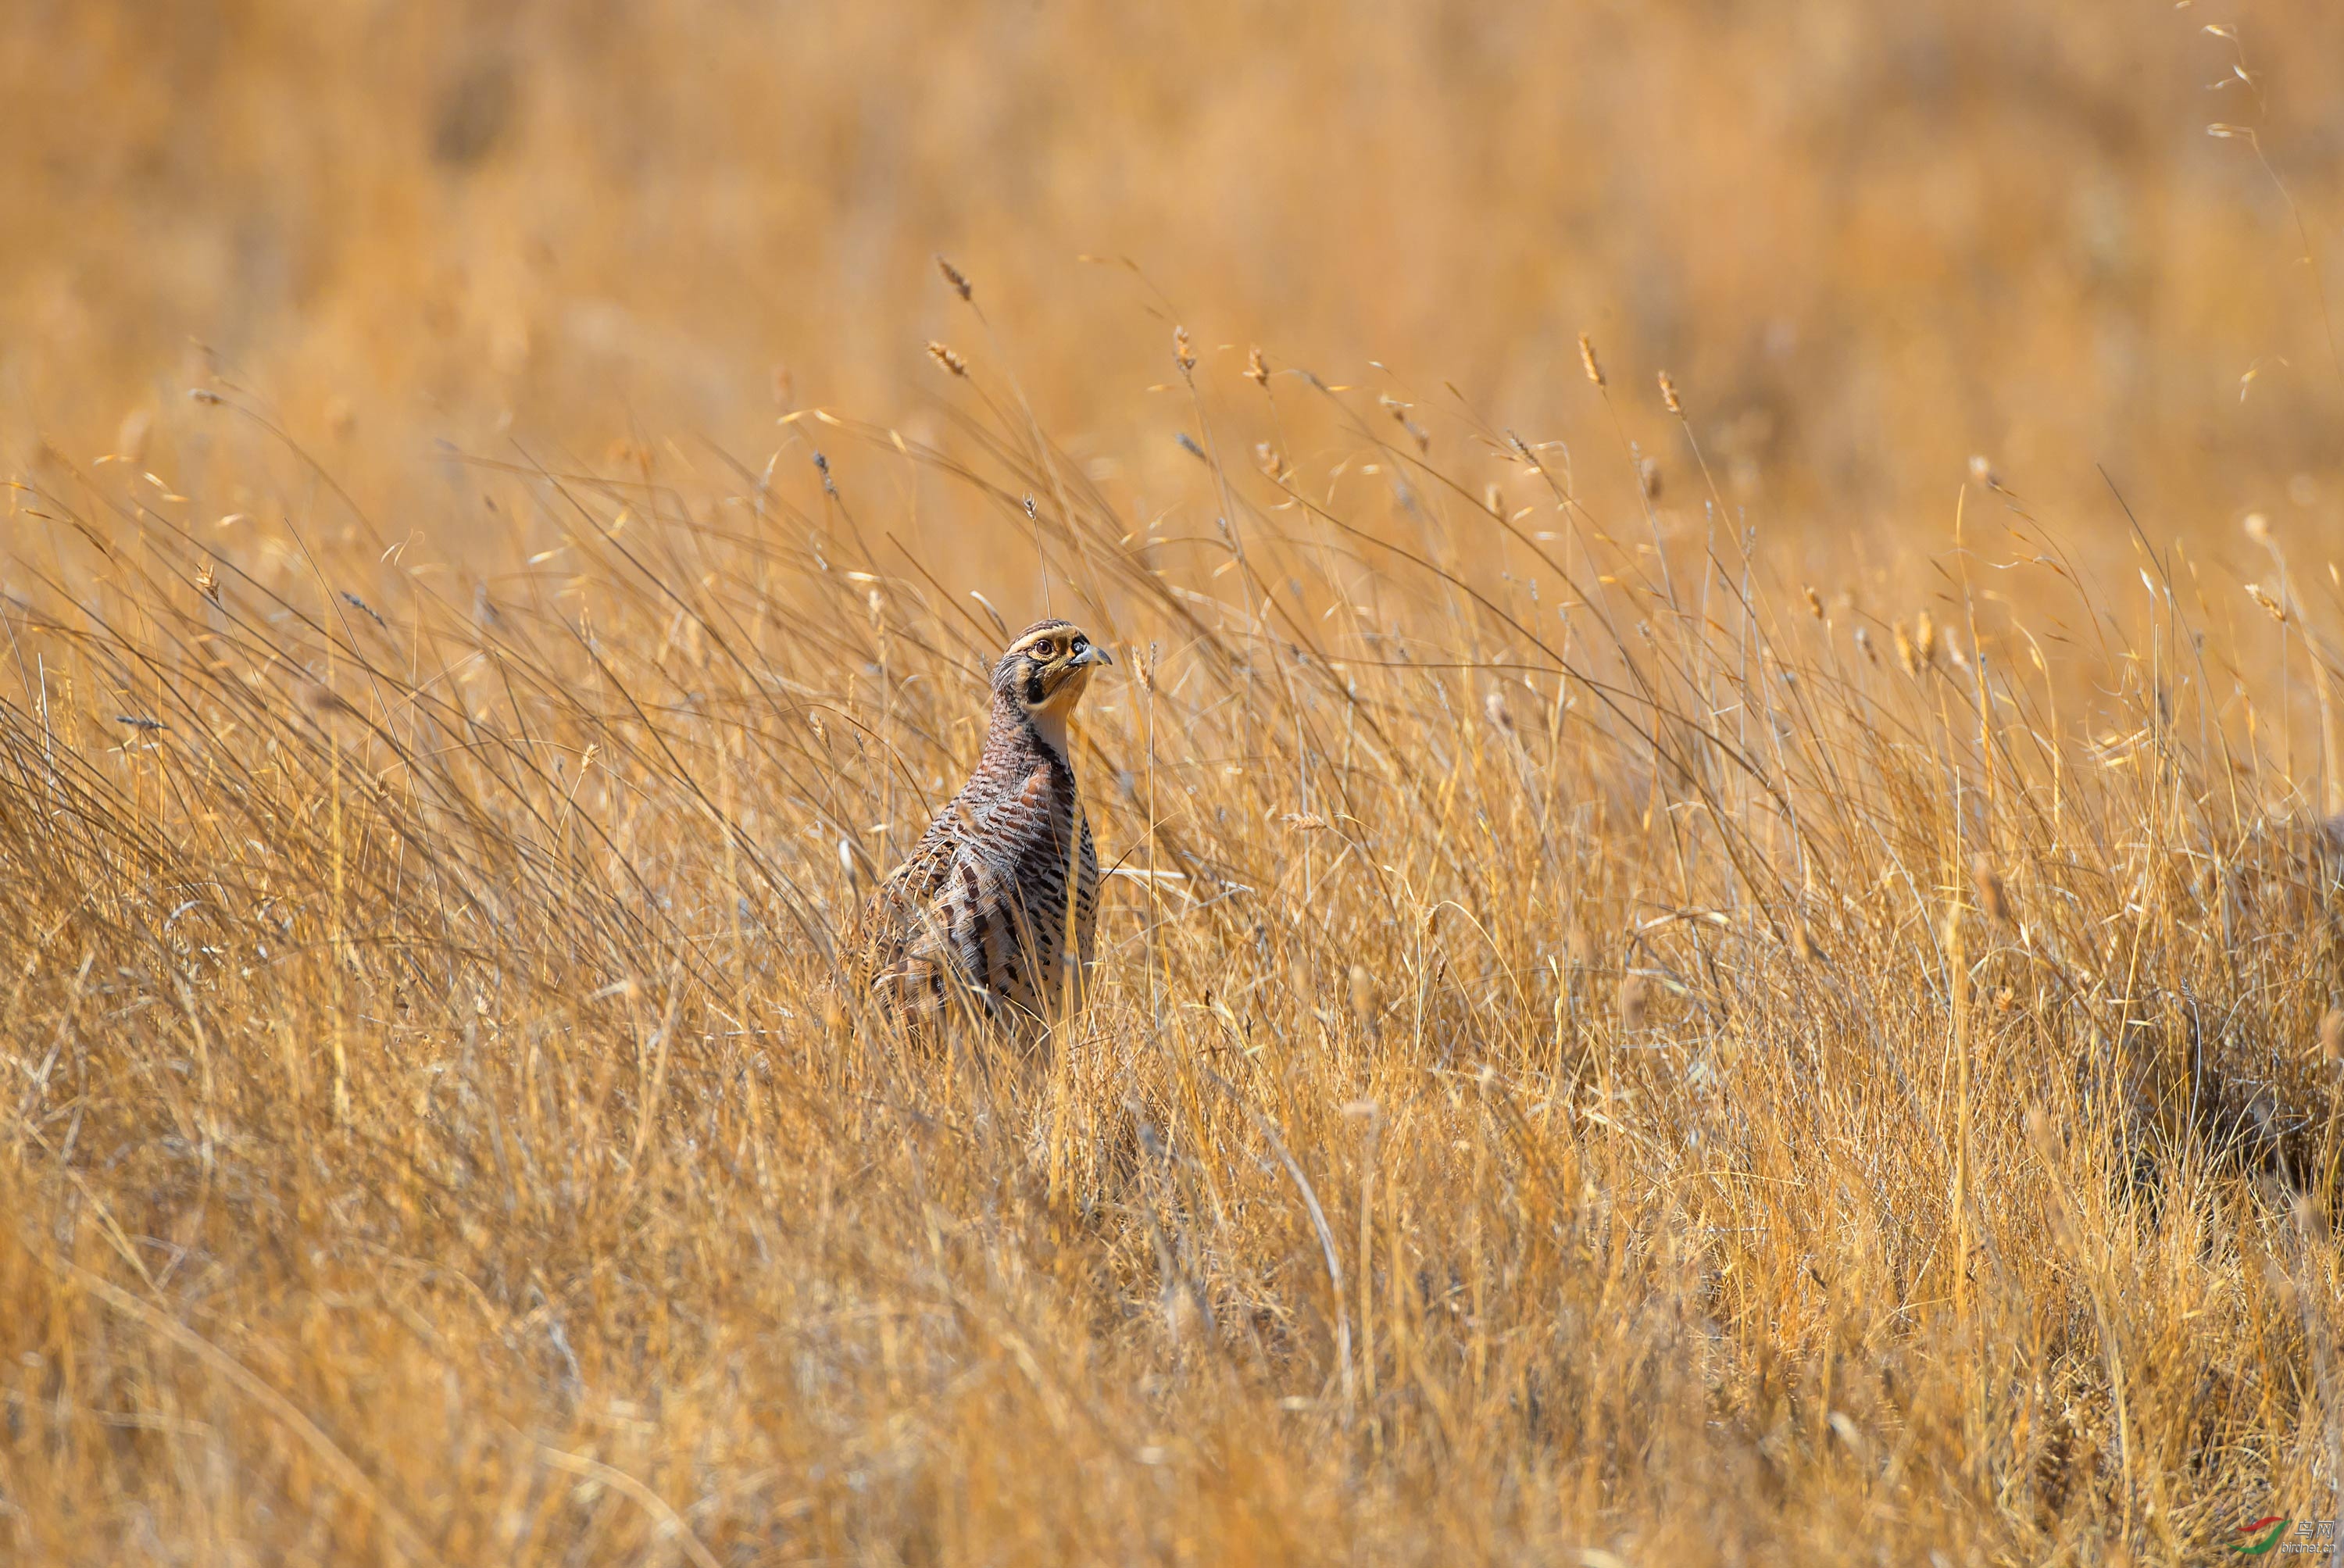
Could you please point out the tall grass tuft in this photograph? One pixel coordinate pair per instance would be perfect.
(1588, 1063)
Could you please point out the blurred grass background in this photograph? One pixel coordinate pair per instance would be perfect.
(1869, 241)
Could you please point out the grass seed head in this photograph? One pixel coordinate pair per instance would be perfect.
(1635, 1001)
(1991, 897)
(1669, 396)
(324, 701)
(1183, 353)
(952, 363)
(957, 279)
(1256, 368)
(1587, 359)
(130, 441)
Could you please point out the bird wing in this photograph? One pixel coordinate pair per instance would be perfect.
(891, 922)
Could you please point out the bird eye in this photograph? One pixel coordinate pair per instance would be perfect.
(1045, 649)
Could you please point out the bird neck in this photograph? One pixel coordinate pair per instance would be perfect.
(1016, 727)
(1052, 729)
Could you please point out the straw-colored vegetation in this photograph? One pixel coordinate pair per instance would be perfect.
(1621, 1037)
(1593, 1048)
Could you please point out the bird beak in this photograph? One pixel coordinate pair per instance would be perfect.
(1093, 654)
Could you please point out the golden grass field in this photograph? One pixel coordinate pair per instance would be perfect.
(1723, 936)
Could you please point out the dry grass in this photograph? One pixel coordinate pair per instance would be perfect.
(1876, 239)
(1640, 1023)
(1589, 1058)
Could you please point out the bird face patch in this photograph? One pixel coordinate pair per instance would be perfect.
(1050, 665)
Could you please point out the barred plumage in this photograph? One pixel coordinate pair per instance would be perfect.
(979, 911)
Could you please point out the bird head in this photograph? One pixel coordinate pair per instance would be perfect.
(1044, 671)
